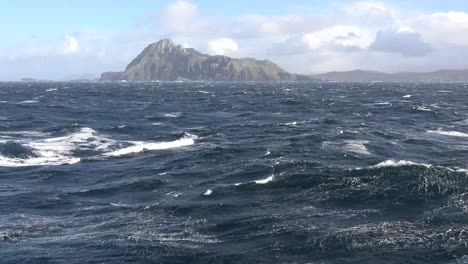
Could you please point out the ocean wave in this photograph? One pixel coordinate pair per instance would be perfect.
(400, 163)
(261, 181)
(266, 180)
(422, 109)
(208, 192)
(382, 104)
(29, 102)
(174, 115)
(462, 122)
(448, 133)
(33, 148)
(141, 146)
(52, 151)
(349, 146)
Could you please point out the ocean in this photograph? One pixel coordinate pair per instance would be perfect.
(233, 172)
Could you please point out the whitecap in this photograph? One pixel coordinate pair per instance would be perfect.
(265, 181)
(56, 150)
(382, 104)
(208, 192)
(119, 204)
(407, 96)
(291, 123)
(29, 102)
(400, 163)
(349, 146)
(141, 146)
(261, 181)
(294, 123)
(173, 115)
(423, 109)
(51, 90)
(48, 159)
(448, 133)
(174, 194)
(357, 146)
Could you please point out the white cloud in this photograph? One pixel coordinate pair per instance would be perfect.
(181, 18)
(254, 25)
(449, 27)
(223, 46)
(71, 45)
(179, 10)
(370, 12)
(402, 42)
(312, 41)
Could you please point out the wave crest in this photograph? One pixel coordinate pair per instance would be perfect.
(26, 148)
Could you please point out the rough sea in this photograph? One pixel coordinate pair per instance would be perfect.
(233, 173)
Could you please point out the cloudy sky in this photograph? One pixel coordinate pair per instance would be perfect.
(66, 39)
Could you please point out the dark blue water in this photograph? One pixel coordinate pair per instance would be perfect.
(233, 172)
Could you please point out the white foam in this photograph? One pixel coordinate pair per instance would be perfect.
(174, 194)
(357, 146)
(266, 180)
(383, 104)
(119, 204)
(291, 123)
(173, 115)
(48, 159)
(448, 133)
(54, 151)
(29, 102)
(262, 181)
(400, 163)
(407, 96)
(423, 109)
(349, 146)
(140, 146)
(51, 90)
(208, 192)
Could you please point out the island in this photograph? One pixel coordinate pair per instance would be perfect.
(167, 61)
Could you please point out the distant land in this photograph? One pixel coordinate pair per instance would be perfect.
(167, 61)
(374, 76)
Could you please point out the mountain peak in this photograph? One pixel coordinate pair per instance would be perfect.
(164, 42)
(165, 46)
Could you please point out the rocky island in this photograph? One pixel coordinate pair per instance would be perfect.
(167, 61)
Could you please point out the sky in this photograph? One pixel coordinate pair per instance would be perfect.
(68, 39)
